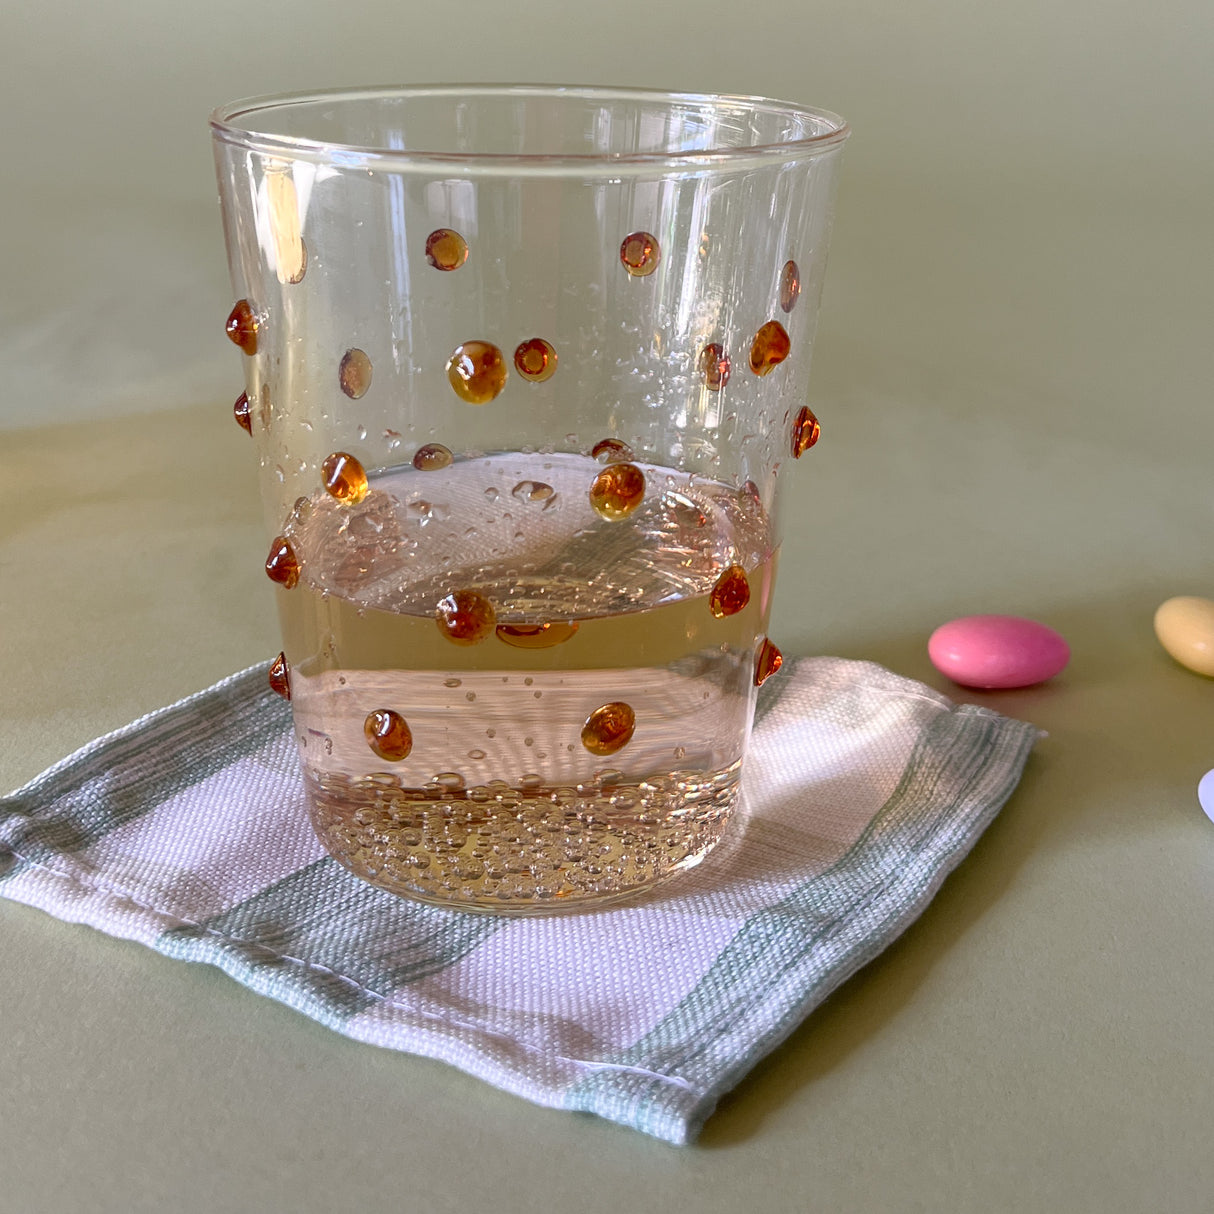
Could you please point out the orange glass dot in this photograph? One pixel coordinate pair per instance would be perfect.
(769, 661)
(535, 359)
(618, 490)
(388, 734)
(714, 366)
(354, 373)
(730, 594)
(640, 254)
(280, 676)
(611, 451)
(242, 326)
(465, 617)
(770, 348)
(240, 411)
(281, 565)
(536, 636)
(805, 432)
(446, 249)
(609, 728)
(432, 457)
(344, 477)
(477, 372)
(790, 285)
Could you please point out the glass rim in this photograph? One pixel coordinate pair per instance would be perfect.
(224, 128)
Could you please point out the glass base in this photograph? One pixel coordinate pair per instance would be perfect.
(521, 851)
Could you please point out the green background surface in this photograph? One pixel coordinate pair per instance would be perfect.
(1013, 374)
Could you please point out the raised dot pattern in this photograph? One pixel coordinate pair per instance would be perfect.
(535, 360)
(714, 366)
(388, 734)
(609, 728)
(731, 592)
(465, 617)
(805, 432)
(617, 491)
(770, 348)
(240, 411)
(242, 326)
(476, 371)
(281, 565)
(769, 661)
(536, 636)
(344, 478)
(446, 249)
(432, 458)
(279, 677)
(640, 254)
(354, 373)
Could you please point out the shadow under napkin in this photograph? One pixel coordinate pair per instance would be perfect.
(186, 830)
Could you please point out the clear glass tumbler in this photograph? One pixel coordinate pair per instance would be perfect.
(524, 367)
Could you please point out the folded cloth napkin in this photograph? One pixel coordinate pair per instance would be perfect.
(186, 831)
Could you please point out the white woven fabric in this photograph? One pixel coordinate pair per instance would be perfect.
(187, 832)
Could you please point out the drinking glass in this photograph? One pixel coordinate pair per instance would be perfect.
(524, 369)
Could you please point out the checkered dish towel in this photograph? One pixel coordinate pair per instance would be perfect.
(187, 831)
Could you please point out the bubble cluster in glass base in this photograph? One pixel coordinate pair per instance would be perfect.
(521, 849)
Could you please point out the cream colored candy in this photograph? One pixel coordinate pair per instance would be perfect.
(1185, 628)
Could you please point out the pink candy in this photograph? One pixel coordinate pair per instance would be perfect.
(997, 651)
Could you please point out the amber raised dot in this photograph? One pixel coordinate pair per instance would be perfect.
(769, 348)
(354, 373)
(714, 366)
(617, 491)
(536, 636)
(465, 617)
(770, 660)
(280, 676)
(535, 359)
(611, 451)
(477, 371)
(446, 249)
(640, 254)
(344, 477)
(281, 565)
(805, 432)
(388, 734)
(790, 285)
(242, 326)
(609, 728)
(240, 411)
(731, 592)
(432, 457)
